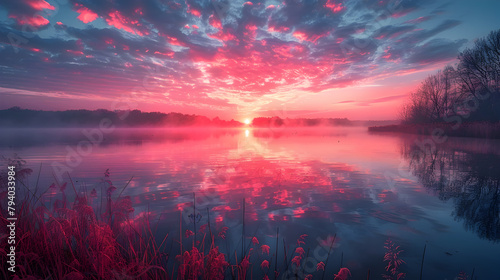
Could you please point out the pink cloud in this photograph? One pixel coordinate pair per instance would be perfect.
(75, 52)
(86, 15)
(173, 41)
(39, 5)
(119, 21)
(35, 21)
(194, 11)
(223, 35)
(215, 22)
(417, 20)
(334, 7)
(277, 29)
(303, 36)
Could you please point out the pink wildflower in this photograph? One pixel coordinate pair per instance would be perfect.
(203, 228)
(255, 241)
(296, 260)
(300, 251)
(222, 233)
(245, 263)
(343, 274)
(265, 249)
(264, 264)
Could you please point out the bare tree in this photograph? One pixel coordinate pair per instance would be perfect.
(447, 92)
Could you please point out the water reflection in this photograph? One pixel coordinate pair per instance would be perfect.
(467, 172)
(27, 137)
(305, 181)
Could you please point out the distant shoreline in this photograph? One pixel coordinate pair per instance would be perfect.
(16, 117)
(470, 129)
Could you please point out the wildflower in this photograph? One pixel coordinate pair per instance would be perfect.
(462, 276)
(301, 239)
(309, 277)
(343, 274)
(192, 263)
(264, 264)
(300, 251)
(394, 262)
(265, 277)
(296, 260)
(203, 228)
(245, 263)
(320, 265)
(216, 264)
(222, 233)
(110, 190)
(265, 249)
(255, 241)
(189, 233)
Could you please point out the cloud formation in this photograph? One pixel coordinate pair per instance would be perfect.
(214, 54)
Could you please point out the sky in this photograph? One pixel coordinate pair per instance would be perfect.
(233, 59)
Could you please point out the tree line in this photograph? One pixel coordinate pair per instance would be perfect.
(299, 122)
(17, 117)
(469, 91)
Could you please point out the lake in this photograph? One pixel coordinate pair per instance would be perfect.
(360, 186)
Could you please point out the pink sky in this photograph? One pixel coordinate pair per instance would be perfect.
(322, 58)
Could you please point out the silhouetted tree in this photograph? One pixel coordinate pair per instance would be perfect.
(18, 117)
(472, 89)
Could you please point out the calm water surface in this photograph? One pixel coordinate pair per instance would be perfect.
(362, 187)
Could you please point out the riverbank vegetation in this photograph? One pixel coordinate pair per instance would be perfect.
(458, 98)
(94, 236)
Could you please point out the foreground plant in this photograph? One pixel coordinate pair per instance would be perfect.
(67, 240)
(393, 261)
(343, 274)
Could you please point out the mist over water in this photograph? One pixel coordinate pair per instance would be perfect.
(362, 186)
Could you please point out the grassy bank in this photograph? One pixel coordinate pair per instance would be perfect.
(473, 129)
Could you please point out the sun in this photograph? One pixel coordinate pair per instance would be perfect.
(247, 121)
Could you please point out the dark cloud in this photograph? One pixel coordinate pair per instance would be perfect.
(435, 51)
(424, 34)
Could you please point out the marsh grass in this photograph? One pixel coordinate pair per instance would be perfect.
(95, 238)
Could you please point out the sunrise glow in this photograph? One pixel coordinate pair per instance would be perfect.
(257, 58)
